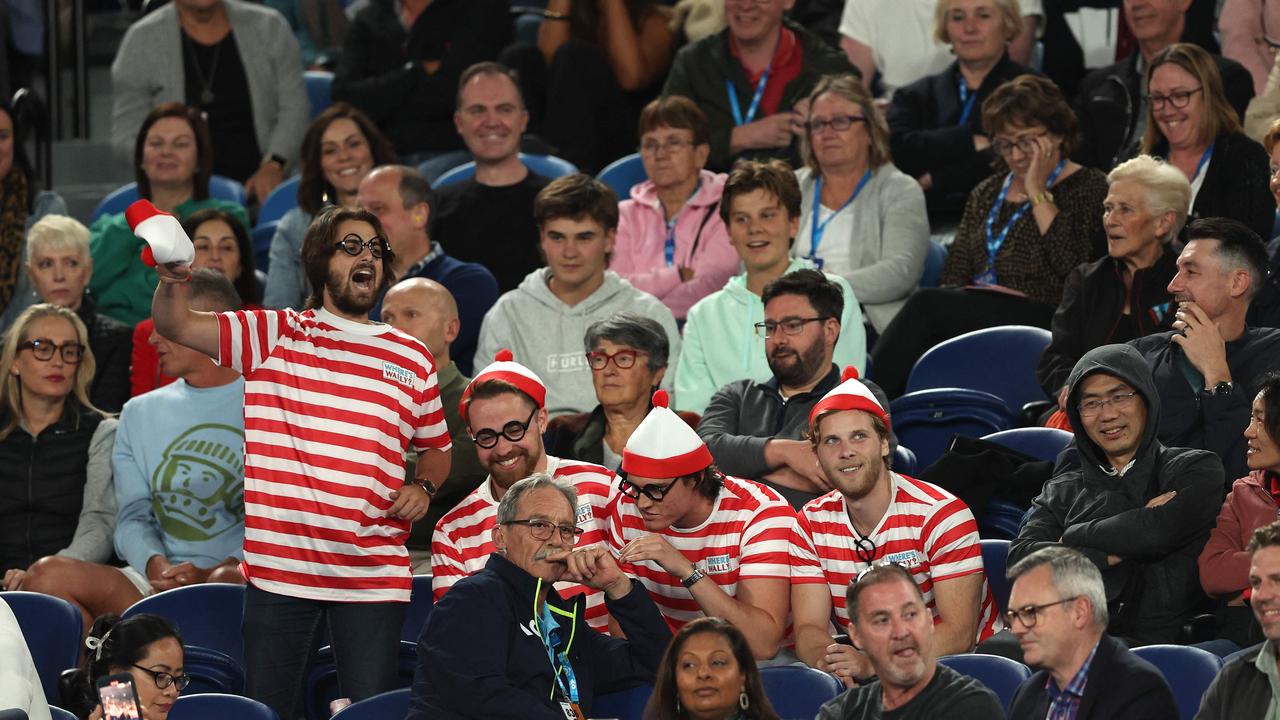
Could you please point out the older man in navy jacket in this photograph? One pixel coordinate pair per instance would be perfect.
(503, 644)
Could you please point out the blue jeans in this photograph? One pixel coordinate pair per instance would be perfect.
(281, 633)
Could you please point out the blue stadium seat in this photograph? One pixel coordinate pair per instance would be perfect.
(421, 601)
(933, 263)
(219, 706)
(623, 174)
(624, 704)
(57, 713)
(211, 671)
(1001, 675)
(322, 679)
(1002, 520)
(281, 199)
(261, 236)
(926, 420)
(1189, 671)
(394, 704)
(999, 360)
(797, 691)
(319, 90)
(1038, 442)
(545, 165)
(904, 461)
(53, 630)
(995, 562)
(122, 197)
(208, 615)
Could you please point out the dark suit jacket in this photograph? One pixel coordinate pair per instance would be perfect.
(1121, 685)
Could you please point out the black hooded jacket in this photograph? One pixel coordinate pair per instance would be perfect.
(1155, 587)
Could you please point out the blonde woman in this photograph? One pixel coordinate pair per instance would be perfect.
(56, 494)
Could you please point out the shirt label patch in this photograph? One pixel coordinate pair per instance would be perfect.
(584, 514)
(566, 362)
(906, 558)
(395, 373)
(717, 564)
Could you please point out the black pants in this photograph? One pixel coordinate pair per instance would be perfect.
(933, 315)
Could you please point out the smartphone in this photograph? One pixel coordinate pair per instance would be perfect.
(119, 698)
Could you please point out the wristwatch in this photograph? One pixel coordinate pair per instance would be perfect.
(692, 578)
(1223, 388)
(428, 486)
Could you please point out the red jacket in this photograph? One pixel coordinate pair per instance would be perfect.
(1224, 562)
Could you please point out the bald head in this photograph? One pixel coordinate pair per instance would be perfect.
(426, 310)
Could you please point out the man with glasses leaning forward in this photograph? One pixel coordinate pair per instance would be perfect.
(1139, 511)
(1058, 611)
(503, 644)
(876, 516)
(504, 408)
(331, 404)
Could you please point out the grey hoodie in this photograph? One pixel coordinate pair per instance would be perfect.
(1091, 509)
(546, 335)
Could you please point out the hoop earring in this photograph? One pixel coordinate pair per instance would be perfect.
(744, 702)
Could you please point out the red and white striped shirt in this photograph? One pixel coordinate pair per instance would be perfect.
(926, 529)
(463, 539)
(745, 537)
(330, 406)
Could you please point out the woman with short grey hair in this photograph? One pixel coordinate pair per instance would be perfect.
(628, 356)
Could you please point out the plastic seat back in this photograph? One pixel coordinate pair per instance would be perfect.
(933, 263)
(209, 615)
(421, 601)
(219, 706)
(797, 691)
(623, 174)
(53, 630)
(319, 90)
(548, 166)
(393, 704)
(995, 562)
(926, 420)
(1001, 675)
(999, 360)
(1039, 442)
(122, 197)
(282, 199)
(1188, 670)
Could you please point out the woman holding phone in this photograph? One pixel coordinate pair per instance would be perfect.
(147, 648)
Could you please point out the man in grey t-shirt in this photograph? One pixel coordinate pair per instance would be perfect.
(892, 624)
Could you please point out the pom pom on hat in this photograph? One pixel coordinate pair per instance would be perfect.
(850, 394)
(663, 445)
(505, 368)
(166, 241)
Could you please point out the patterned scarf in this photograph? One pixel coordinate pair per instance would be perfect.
(13, 224)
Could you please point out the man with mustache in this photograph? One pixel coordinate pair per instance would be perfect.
(1205, 367)
(332, 402)
(1245, 688)
(893, 624)
(875, 516)
(756, 429)
(504, 408)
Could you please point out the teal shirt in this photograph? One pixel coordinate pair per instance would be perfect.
(121, 283)
(1266, 664)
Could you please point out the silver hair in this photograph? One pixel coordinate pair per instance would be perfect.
(57, 232)
(510, 504)
(1164, 189)
(1072, 574)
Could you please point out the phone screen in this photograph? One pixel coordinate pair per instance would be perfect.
(119, 702)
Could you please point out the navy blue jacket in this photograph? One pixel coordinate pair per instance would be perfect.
(474, 291)
(478, 656)
(1121, 685)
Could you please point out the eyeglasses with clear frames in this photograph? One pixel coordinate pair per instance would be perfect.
(513, 431)
(353, 245)
(1120, 401)
(163, 679)
(1178, 98)
(624, 359)
(670, 145)
(541, 529)
(789, 326)
(1030, 614)
(43, 349)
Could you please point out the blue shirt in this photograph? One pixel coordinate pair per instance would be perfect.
(1064, 704)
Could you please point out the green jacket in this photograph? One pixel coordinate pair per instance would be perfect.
(721, 345)
(122, 285)
(699, 72)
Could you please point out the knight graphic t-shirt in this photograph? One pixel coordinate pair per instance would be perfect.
(178, 467)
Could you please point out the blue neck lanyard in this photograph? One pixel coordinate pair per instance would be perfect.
(1204, 160)
(968, 98)
(563, 671)
(818, 229)
(994, 242)
(669, 245)
(738, 119)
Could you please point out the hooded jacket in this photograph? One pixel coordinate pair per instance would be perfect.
(479, 657)
(545, 334)
(1155, 587)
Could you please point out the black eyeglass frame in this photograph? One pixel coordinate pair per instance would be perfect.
(654, 492)
(513, 431)
(352, 244)
(1034, 612)
(164, 679)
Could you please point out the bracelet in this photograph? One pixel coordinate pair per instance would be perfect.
(548, 15)
(1041, 197)
(428, 487)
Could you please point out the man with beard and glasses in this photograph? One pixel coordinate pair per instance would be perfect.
(760, 206)
(876, 516)
(332, 404)
(892, 622)
(756, 429)
(504, 408)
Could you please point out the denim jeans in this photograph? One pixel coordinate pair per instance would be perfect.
(281, 634)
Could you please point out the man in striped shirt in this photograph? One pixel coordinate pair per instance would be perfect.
(504, 408)
(701, 542)
(332, 403)
(875, 516)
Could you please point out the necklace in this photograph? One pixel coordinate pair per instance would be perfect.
(206, 85)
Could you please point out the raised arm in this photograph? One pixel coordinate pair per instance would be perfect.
(175, 320)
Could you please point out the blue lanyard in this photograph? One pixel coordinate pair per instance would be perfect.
(1204, 160)
(968, 100)
(994, 242)
(755, 99)
(563, 671)
(669, 245)
(816, 229)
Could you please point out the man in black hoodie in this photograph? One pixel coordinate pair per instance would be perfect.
(1138, 510)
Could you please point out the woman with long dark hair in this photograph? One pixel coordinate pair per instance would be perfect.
(708, 673)
(147, 647)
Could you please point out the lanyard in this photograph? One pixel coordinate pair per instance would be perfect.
(738, 119)
(994, 242)
(968, 100)
(563, 670)
(669, 245)
(816, 229)
(1204, 160)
